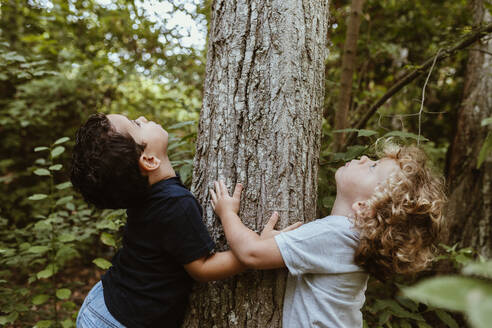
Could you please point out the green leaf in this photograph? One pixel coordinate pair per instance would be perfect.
(485, 150)
(37, 197)
(448, 292)
(478, 309)
(64, 200)
(384, 317)
(106, 224)
(66, 237)
(180, 125)
(9, 318)
(366, 133)
(47, 272)
(345, 130)
(360, 133)
(185, 172)
(66, 253)
(56, 167)
(404, 135)
(108, 239)
(70, 306)
(42, 172)
(421, 324)
(64, 185)
(462, 259)
(405, 324)
(43, 324)
(479, 269)
(351, 153)
(40, 299)
(40, 149)
(38, 249)
(61, 140)
(406, 302)
(13, 56)
(486, 121)
(446, 318)
(67, 323)
(57, 151)
(396, 309)
(102, 263)
(63, 293)
(42, 225)
(70, 207)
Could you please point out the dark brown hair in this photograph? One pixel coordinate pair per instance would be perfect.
(105, 166)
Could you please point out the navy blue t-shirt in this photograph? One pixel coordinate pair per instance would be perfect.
(147, 285)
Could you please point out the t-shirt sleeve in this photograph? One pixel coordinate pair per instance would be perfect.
(186, 237)
(321, 247)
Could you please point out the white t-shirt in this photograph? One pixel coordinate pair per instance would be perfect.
(325, 288)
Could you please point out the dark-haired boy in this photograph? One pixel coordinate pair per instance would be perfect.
(122, 163)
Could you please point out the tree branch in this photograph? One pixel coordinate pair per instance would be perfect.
(443, 54)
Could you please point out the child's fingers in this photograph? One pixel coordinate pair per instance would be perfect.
(213, 196)
(237, 191)
(223, 189)
(292, 226)
(271, 222)
(213, 205)
(217, 188)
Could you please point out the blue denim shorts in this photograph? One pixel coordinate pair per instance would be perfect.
(94, 313)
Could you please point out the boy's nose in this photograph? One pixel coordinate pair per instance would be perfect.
(363, 159)
(142, 119)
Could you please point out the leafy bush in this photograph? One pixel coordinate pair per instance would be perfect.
(33, 256)
(387, 306)
(469, 293)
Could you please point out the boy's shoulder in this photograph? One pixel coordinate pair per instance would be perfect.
(169, 200)
(335, 222)
(170, 188)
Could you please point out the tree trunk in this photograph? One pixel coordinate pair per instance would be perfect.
(260, 125)
(348, 67)
(470, 189)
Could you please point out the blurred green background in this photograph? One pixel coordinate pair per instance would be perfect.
(61, 61)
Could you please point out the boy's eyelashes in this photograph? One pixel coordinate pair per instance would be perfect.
(136, 122)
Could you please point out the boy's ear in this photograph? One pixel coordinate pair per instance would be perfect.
(148, 163)
(361, 208)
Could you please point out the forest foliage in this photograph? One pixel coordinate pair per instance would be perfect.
(61, 61)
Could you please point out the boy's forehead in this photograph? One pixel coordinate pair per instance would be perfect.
(388, 165)
(119, 122)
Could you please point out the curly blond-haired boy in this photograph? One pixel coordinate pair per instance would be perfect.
(385, 221)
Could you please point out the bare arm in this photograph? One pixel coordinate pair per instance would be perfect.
(215, 267)
(259, 252)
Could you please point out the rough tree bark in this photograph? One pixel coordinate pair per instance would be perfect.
(348, 67)
(470, 199)
(260, 125)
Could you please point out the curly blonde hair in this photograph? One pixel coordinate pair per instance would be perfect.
(399, 226)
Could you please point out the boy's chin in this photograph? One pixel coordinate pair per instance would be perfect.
(338, 171)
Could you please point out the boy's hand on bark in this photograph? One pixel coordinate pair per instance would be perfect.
(269, 232)
(222, 203)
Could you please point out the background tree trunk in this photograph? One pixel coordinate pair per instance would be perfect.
(470, 189)
(348, 67)
(260, 125)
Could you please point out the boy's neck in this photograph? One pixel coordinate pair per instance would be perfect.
(342, 207)
(165, 171)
